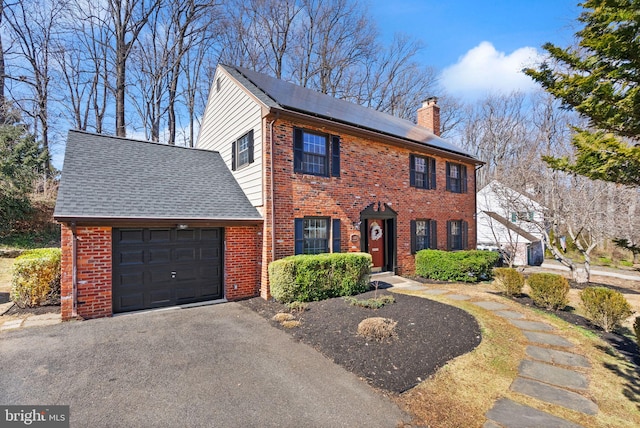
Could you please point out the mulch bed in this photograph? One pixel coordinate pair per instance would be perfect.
(38, 310)
(428, 335)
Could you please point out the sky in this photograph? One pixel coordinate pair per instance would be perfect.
(479, 47)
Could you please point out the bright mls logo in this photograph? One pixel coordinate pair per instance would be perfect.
(34, 416)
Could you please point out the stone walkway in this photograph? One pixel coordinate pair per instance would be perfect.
(27, 320)
(551, 371)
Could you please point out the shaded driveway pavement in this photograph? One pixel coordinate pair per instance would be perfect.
(209, 366)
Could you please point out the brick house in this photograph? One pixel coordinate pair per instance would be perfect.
(305, 173)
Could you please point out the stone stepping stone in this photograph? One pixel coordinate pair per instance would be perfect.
(510, 414)
(547, 339)
(490, 424)
(553, 395)
(532, 325)
(557, 357)
(409, 287)
(492, 306)
(43, 319)
(435, 292)
(547, 373)
(513, 315)
(457, 297)
(10, 325)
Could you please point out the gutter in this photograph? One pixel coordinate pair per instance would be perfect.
(271, 190)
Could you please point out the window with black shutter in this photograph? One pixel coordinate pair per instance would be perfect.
(423, 235)
(313, 235)
(456, 177)
(316, 154)
(242, 151)
(422, 172)
(457, 235)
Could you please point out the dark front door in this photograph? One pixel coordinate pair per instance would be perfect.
(376, 243)
(156, 267)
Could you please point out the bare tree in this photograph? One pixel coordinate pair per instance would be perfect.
(33, 29)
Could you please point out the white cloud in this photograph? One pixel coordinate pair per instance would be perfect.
(484, 70)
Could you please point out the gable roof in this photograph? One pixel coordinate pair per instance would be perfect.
(117, 178)
(279, 94)
(509, 225)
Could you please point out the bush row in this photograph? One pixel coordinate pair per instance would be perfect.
(36, 278)
(307, 278)
(464, 266)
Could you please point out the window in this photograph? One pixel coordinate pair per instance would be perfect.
(522, 216)
(242, 151)
(313, 234)
(422, 172)
(314, 155)
(423, 235)
(457, 231)
(456, 178)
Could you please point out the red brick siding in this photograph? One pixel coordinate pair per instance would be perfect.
(242, 261)
(94, 267)
(371, 172)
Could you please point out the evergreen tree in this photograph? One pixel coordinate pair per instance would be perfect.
(600, 79)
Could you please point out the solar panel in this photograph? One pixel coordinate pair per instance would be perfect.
(298, 98)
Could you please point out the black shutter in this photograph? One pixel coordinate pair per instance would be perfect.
(465, 235)
(233, 156)
(412, 170)
(434, 235)
(448, 172)
(335, 156)
(335, 228)
(299, 235)
(250, 137)
(297, 150)
(463, 178)
(413, 236)
(432, 168)
(449, 238)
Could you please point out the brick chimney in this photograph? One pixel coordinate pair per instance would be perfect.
(429, 115)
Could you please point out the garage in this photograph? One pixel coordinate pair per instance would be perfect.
(157, 267)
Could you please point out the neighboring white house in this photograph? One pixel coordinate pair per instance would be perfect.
(511, 222)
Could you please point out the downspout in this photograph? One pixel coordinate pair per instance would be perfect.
(271, 191)
(475, 201)
(74, 270)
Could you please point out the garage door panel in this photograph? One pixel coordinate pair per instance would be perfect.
(144, 260)
(159, 235)
(134, 257)
(159, 255)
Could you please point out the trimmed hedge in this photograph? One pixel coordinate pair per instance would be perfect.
(306, 278)
(549, 290)
(464, 266)
(606, 308)
(36, 277)
(508, 280)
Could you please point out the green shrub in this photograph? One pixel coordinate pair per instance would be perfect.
(636, 330)
(625, 263)
(306, 278)
(36, 277)
(606, 308)
(549, 290)
(605, 261)
(508, 280)
(464, 266)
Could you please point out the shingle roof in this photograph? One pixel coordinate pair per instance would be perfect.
(119, 178)
(509, 225)
(276, 93)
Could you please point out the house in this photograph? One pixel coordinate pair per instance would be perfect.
(278, 170)
(511, 222)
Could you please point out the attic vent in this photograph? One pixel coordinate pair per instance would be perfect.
(218, 84)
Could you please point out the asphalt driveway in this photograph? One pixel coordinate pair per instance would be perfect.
(210, 366)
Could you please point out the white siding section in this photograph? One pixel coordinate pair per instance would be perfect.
(229, 115)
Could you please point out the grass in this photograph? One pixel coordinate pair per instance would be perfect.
(462, 391)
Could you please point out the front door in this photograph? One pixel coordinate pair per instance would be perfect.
(376, 243)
